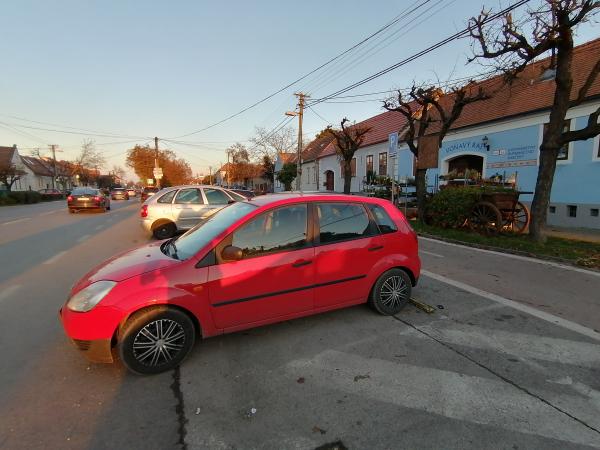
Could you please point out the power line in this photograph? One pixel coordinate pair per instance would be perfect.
(380, 30)
(328, 122)
(458, 35)
(73, 132)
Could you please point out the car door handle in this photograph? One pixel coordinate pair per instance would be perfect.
(374, 249)
(302, 262)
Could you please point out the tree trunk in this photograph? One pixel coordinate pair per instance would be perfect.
(541, 198)
(421, 193)
(347, 176)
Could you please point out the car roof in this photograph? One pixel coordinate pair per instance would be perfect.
(297, 197)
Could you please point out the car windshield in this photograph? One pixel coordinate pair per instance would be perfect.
(189, 243)
(84, 191)
(236, 196)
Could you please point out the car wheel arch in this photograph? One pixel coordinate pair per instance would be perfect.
(160, 222)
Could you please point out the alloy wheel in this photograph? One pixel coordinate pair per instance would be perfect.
(159, 342)
(393, 291)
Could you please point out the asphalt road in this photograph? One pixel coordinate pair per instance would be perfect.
(510, 359)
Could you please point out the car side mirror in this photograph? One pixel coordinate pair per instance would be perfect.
(231, 253)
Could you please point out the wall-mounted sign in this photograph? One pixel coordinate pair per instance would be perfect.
(393, 145)
(465, 147)
(499, 152)
(521, 163)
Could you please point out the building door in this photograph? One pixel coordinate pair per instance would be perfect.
(463, 163)
(329, 180)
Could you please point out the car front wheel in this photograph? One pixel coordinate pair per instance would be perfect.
(165, 231)
(391, 292)
(156, 340)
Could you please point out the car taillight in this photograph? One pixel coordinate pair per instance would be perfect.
(97, 199)
(144, 211)
(70, 198)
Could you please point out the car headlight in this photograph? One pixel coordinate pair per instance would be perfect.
(90, 296)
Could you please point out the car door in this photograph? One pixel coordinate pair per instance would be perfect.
(275, 276)
(215, 199)
(347, 247)
(187, 207)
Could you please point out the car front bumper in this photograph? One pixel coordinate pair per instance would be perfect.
(95, 350)
(146, 225)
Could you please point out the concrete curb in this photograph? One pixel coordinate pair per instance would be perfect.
(566, 262)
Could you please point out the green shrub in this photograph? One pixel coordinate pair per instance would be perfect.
(451, 207)
(19, 197)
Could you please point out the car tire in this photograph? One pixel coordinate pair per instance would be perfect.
(71, 211)
(164, 231)
(391, 292)
(156, 340)
(108, 208)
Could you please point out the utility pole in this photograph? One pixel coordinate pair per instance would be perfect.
(300, 113)
(156, 166)
(228, 172)
(53, 147)
(210, 175)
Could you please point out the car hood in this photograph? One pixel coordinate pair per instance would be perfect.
(126, 265)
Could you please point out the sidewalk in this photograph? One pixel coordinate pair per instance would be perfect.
(578, 234)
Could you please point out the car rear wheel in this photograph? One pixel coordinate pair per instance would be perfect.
(164, 231)
(71, 210)
(391, 292)
(156, 340)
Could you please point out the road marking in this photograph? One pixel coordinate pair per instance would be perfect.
(83, 238)
(17, 221)
(55, 257)
(98, 227)
(481, 400)
(519, 257)
(49, 212)
(431, 253)
(9, 291)
(572, 326)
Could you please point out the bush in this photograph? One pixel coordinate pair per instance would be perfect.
(451, 207)
(21, 197)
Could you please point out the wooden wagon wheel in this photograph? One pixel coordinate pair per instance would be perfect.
(485, 218)
(517, 220)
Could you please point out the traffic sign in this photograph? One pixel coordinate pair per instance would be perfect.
(157, 172)
(393, 144)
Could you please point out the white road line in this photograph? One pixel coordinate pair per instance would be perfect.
(17, 221)
(47, 213)
(83, 238)
(519, 257)
(447, 393)
(516, 305)
(9, 291)
(55, 257)
(431, 254)
(98, 227)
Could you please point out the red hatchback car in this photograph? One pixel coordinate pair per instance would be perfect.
(271, 259)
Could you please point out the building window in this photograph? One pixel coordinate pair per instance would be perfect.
(572, 209)
(369, 164)
(308, 174)
(552, 209)
(383, 163)
(594, 212)
(563, 153)
(353, 167)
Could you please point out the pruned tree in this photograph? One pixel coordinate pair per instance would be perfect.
(512, 45)
(426, 107)
(10, 174)
(141, 160)
(348, 139)
(240, 168)
(271, 143)
(287, 174)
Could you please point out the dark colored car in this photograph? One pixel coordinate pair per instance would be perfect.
(119, 194)
(245, 192)
(148, 192)
(87, 198)
(54, 194)
(252, 263)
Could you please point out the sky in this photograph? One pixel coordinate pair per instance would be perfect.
(132, 70)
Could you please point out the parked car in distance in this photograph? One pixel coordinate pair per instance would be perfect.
(147, 192)
(87, 198)
(118, 193)
(131, 192)
(275, 258)
(179, 208)
(53, 194)
(245, 192)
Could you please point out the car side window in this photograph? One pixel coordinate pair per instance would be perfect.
(189, 196)
(216, 197)
(277, 230)
(342, 221)
(382, 219)
(168, 197)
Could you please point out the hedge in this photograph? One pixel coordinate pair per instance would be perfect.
(23, 197)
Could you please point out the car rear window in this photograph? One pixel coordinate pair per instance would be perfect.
(168, 197)
(84, 191)
(342, 221)
(382, 219)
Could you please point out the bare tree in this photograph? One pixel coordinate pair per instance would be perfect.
(118, 172)
(89, 157)
(424, 107)
(10, 174)
(512, 45)
(270, 143)
(348, 140)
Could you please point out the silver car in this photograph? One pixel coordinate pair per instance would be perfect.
(179, 208)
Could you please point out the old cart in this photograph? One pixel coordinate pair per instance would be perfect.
(500, 211)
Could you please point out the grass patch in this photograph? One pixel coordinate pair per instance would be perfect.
(585, 254)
